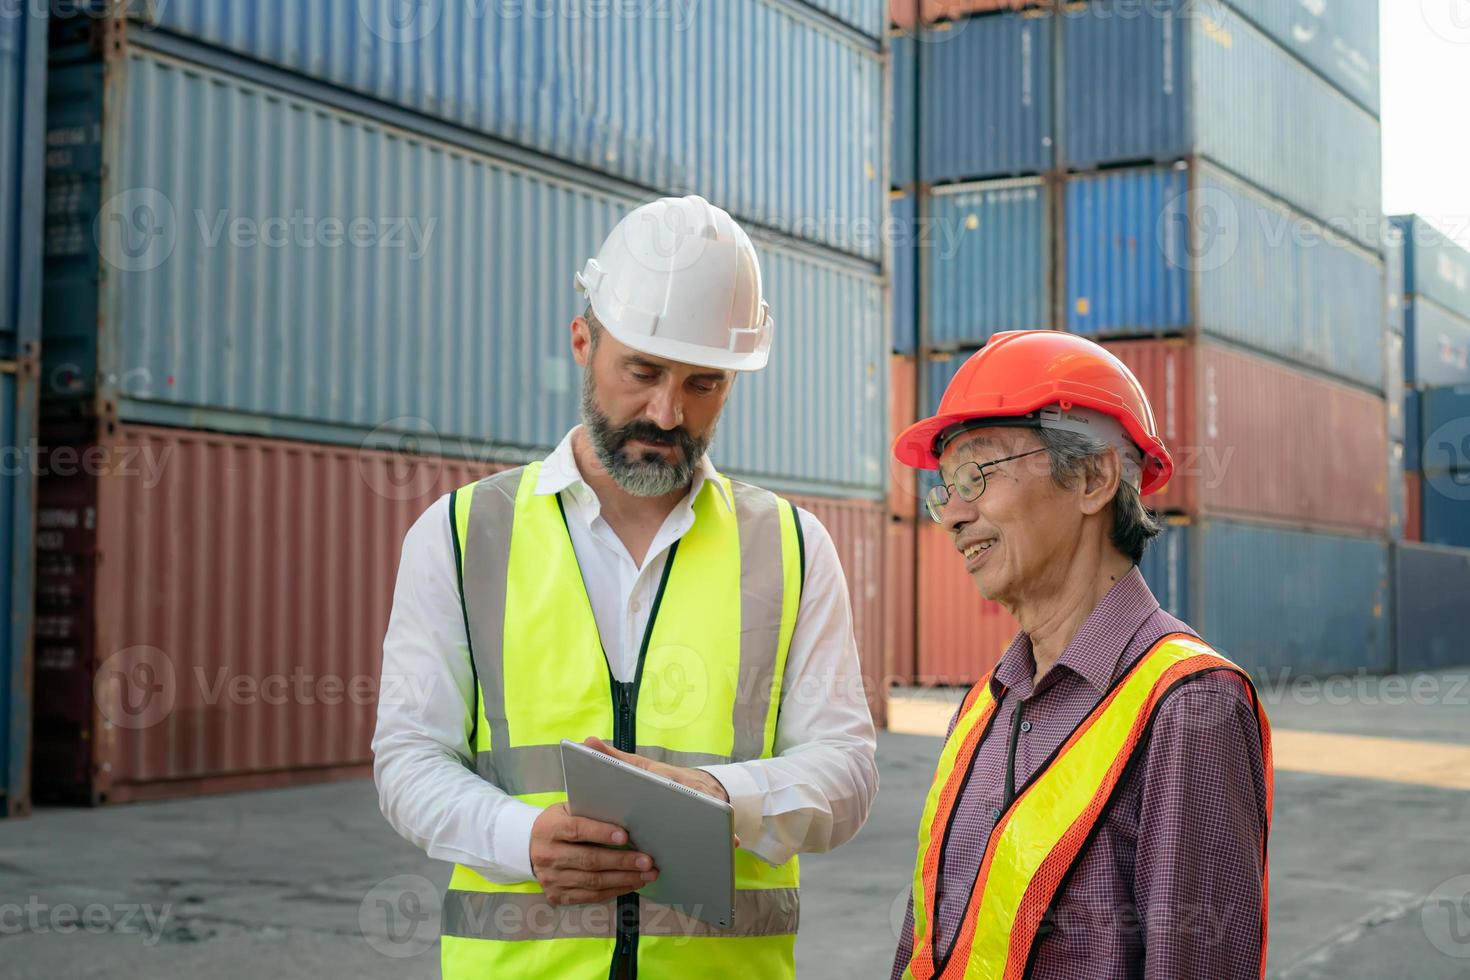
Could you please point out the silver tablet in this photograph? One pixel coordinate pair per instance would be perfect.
(688, 834)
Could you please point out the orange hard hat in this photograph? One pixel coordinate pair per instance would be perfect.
(1021, 372)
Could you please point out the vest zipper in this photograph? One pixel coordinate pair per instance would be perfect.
(625, 738)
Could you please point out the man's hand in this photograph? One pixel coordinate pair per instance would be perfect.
(574, 866)
(696, 779)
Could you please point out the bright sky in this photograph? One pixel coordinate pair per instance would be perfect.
(1426, 125)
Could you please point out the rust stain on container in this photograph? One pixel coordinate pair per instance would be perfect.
(1413, 506)
(961, 635)
(1254, 437)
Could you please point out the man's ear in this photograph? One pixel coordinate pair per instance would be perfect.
(581, 336)
(1100, 481)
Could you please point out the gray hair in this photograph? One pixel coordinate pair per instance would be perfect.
(1072, 456)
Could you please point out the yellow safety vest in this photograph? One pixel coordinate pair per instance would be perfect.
(1041, 837)
(707, 691)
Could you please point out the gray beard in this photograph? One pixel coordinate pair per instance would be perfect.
(647, 475)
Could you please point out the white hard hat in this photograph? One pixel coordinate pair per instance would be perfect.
(679, 279)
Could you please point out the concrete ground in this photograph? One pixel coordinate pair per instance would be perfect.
(1370, 876)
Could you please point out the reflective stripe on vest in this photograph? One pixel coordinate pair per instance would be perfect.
(707, 692)
(1042, 836)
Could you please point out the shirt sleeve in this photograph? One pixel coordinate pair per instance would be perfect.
(815, 792)
(1200, 875)
(423, 764)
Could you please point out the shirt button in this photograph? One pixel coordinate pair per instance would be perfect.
(1025, 726)
(995, 814)
(635, 605)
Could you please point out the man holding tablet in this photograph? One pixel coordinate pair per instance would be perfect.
(623, 590)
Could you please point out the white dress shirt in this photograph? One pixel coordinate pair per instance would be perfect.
(812, 795)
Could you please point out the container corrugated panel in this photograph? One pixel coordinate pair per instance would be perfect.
(1444, 420)
(22, 121)
(1436, 345)
(904, 133)
(308, 599)
(1274, 600)
(641, 97)
(865, 15)
(1219, 411)
(986, 262)
(985, 94)
(1213, 85)
(1393, 270)
(1430, 612)
(1413, 432)
(1337, 38)
(935, 374)
(903, 493)
(1165, 566)
(448, 319)
(1445, 514)
(904, 243)
(859, 531)
(900, 594)
(1397, 513)
(1146, 254)
(1413, 506)
(1393, 382)
(1435, 265)
(17, 525)
(961, 634)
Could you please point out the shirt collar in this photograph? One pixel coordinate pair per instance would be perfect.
(559, 472)
(1095, 651)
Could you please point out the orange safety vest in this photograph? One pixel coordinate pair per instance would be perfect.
(1041, 838)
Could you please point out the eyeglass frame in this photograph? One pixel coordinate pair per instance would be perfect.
(951, 490)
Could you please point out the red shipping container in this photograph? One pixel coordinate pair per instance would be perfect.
(907, 13)
(899, 594)
(1253, 437)
(961, 635)
(211, 608)
(903, 485)
(857, 529)
(1413, 506)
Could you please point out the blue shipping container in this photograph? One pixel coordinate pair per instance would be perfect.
(1165, 567)
(1393, 269)
(312, 274)
(1436, 345)
(1278, 601)
(22, 129)
(986, 265)
(1431, 615)
(1165, 250)
(904, 128)
(1202, 81)
(986, 98)
(1393, 383)
(646, 97)
(904, 242)
(1446, 513)
(1338, 38)
(865, 15)
(17, 527)
(1413, 432)
(1445, 429)
(1397, 492)
(1434, 265)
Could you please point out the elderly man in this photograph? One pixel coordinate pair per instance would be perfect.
(625, 592)
(1103, 798)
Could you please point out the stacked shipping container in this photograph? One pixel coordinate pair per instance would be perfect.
(329, 282)
(22, 120)
(1172, 199)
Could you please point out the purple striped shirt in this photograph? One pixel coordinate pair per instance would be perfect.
(1171, 887)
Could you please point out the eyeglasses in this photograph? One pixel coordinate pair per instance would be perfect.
(969, 484)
